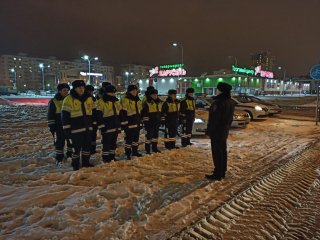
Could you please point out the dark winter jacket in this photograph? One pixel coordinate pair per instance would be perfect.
(54, 113)
(152, 111)
(220, 116)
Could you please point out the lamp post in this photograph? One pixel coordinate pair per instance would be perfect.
(15, 78)
(88, 59)
(41, 66)
(127, 81)
(180, 45)
(284, 76)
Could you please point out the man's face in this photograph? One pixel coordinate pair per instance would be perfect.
(190, 94)
(154, 96)
(173, 96)
(79, 90)
(113, 94)
(134, 92)
(90, 93)
(218, 92)
(64, 92)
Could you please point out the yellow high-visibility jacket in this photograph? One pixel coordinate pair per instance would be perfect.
(77, 113)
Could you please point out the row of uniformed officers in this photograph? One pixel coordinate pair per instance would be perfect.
(77, 116)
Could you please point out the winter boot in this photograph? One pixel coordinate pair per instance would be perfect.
(155, 147)
(75, 162)
(135, 152)
(147, 148)
(86, 159)
(128, 153)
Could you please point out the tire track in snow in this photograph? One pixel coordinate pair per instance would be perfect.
(283, 204)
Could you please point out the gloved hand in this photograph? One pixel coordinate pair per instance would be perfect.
(103, 130)
(67, 133)
(124, 127)
(208, 133)
(183, 121)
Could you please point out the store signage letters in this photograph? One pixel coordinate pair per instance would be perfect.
(257, 71)
(91, 74)
(242, 70)
(168, 70)
(262, 73)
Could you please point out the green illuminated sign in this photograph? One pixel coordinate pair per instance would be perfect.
(171, 66)
(243, 70)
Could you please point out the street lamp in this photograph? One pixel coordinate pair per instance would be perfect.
(15, 78)
(88, 59)
(284, 76)
(180, 45)
(41, 66)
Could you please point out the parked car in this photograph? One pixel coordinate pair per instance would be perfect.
(255, 111)
(272, 108)
(240, 119)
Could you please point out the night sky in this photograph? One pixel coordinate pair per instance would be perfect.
(142, 31)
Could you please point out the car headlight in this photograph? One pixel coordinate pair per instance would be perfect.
(258, 108)
(198, 120)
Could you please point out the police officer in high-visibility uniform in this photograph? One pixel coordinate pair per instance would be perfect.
(102, 89)
(146, 94)
(170, 111)
(55, 124)
(131, 115)
(187, 116)
(108, 113)
(151, 114)
(78, 124)
(89, 89)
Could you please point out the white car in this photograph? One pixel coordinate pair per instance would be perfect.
(272, 108)
(255, 110)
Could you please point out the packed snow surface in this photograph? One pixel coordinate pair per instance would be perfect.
(151, 197)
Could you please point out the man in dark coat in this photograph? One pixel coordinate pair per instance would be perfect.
(55, 123)
(187, 116)
(220, 119)
(77, 123)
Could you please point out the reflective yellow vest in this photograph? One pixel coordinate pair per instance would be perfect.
(73, 105)
(173, 107)
(107, 107)
(129, 106)
(58, 105)
(153, 107)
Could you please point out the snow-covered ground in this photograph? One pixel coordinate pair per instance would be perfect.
(151, 197)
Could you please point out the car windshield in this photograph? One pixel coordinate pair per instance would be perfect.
(257, 100)
(243, 99)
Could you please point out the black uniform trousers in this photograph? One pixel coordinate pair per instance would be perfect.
(170, 135)
(219, 154)
(60, 143)
(93, 141)
(131, 140)
(186, 132)
(81, 143)
(109, 145)
(152, 135)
